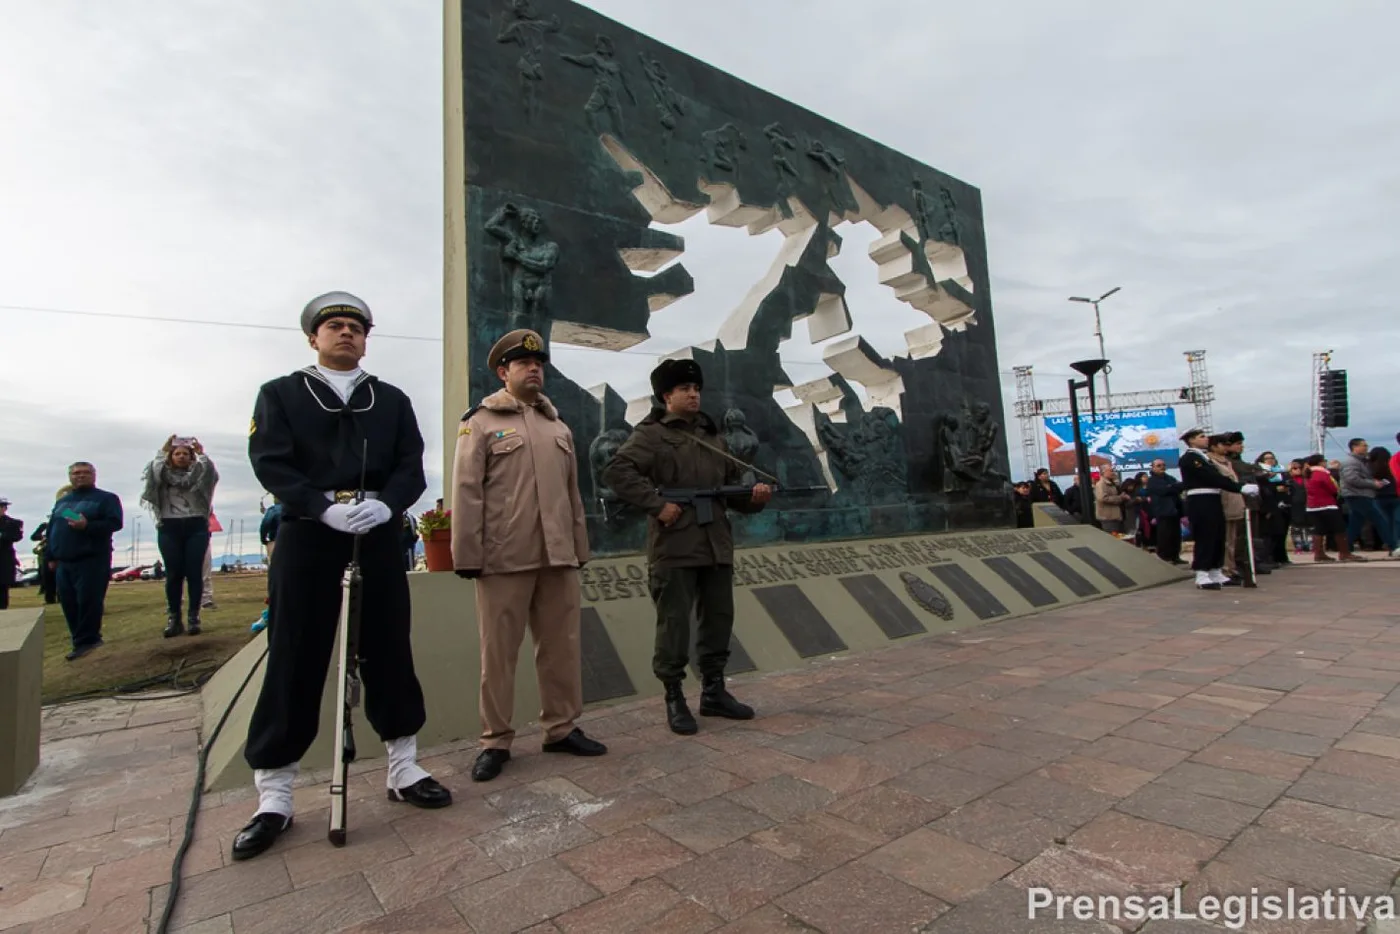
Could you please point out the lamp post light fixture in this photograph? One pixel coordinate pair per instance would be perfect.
(1098, 332)
(1081, 452)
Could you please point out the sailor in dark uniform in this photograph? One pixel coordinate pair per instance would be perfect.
(1204, 483)
(305, 442)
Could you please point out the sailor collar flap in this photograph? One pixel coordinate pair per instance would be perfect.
(502, 401)
(336, 404)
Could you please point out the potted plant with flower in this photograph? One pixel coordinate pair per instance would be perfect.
(435, 528)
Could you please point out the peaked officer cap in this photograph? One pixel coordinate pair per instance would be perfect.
(334, 305)
(515, 346)
(672, 373)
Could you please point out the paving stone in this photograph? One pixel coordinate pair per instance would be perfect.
(1351, 829)
(857, 899)
(815, 744)
(1352, 794)
(613, 812)
(1167, 852)
(1297, 744)
(1253, 759)
(317, 909)
(516, 900)
(1310, 863)
(863, 729)
(695, 785)
(436, 916)
(1377, 769)
(647, 906)
(1052, 800)
(430, 831)
(1230, 784)
(899, 755)
(370, 846)
(1042, 747)
(943, 737)
(945, 786)
(524, 842)
(124, 915)
(1370, 743)
(737, 879)
(710, 824)
(401, 883)
(57, 831)
(1149, 757)
(1174, 735)
(949, 869)
(1005, 909)
(615, 862)
(1062, 724)
(225, 890)
(1107, 778)
(782, 798)
(1298, 723)
(818, 842)
(758, 765)
(23, 867)
(42, 898)
(223, 924)
(1212, 817)
(990, 762)
(887, 810)
(1012, 832)
(1139, 700)
(546, 796)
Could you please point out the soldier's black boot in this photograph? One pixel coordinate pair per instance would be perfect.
(194, 622)
(172, 624)
(715, 701)
(678, 716)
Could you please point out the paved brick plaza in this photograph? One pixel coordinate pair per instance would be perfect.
(1220, 740)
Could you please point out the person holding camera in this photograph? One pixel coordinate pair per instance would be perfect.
(179, 490)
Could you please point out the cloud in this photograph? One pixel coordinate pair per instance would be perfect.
(1233, 167)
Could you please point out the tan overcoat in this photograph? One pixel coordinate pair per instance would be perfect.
(516, 503)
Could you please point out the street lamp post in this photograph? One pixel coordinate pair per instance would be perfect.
(1098, 332)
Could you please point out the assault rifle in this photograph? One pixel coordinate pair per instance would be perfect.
(348, 691)
(704, 499)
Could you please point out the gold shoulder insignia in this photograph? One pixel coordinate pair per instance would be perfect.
(252, 426)
(464, 430)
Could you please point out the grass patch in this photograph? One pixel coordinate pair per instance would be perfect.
(131, 630)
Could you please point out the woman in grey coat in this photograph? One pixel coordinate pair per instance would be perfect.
(180, 485)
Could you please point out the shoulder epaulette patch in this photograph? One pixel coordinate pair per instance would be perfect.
(471, 411)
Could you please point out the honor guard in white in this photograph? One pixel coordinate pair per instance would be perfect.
(315, 433)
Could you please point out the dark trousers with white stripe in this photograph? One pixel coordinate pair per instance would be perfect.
(305, 592)
(1207, 515)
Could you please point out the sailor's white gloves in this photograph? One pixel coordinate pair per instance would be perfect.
(1250, 489)
(364, 516)
(337, 517)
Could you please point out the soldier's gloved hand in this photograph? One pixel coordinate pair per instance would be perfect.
(469, 573)
(335, 516)
(365, 516)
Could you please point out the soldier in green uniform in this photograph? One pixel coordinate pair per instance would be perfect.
(691, 569)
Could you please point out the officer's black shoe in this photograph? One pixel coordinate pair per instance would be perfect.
(172, 624)
(488, 764)
(194, 624)
(715, 701)
(82, 650)
(259, 834)
(576, 744)
(424, 793)
(678, 716)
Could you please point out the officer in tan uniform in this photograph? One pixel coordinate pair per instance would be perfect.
(518, 530)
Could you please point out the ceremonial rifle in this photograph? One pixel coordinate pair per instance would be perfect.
(348, 690)
(703, 499)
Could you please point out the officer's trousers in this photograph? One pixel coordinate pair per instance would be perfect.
(547, 601)
(680, 594)
(82, 592)
(304, 593)
(1207, 515)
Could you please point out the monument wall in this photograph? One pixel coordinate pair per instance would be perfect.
(572, 141)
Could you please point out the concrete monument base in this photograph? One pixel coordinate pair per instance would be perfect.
(791, 604)
(21, 690)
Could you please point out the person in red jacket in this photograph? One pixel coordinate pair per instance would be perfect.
(1325, 511)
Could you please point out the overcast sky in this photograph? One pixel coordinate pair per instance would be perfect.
(1235, 168)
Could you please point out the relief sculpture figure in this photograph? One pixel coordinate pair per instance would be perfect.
(742, 442)
(669, 105)
(722, 147)
(787, 175)
(527, 30)
(607, 74)
(967, 447)
(529, 257)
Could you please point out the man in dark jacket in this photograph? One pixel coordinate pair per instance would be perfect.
(11, 532)
(1164, 505)
(679, 447)
(80, 549)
